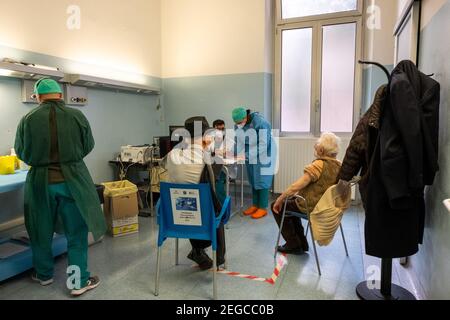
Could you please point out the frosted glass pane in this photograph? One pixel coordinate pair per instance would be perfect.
(404, 42)
(304, 8)
(296, 80)
(338, 77)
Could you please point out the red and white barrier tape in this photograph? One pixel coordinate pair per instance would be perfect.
(281, 263)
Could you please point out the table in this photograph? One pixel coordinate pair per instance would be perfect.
(228, 162)
(144, 167)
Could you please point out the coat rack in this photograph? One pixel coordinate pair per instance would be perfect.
(384, 289)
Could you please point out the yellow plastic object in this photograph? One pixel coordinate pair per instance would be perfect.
(119, 188)
(7, 165)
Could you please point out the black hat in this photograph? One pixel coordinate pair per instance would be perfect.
(189, 125)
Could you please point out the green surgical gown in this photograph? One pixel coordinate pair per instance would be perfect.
(75, 142)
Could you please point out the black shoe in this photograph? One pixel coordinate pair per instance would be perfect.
(200, 257)
(287, 250)
(305, 246)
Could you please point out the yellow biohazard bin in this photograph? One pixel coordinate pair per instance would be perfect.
(121, 207)
(7, 165)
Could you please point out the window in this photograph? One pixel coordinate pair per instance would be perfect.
(406, 33)
(296, 79)
(303, 8)
(317, 77)
(338, 77)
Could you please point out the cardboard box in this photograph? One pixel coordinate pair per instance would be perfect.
(125, 226)
(121, 207)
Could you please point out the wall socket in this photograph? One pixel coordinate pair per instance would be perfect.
(75, 96)
(28, 91)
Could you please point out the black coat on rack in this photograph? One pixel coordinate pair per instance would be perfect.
(404, 161)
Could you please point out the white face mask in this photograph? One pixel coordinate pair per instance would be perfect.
(219, 136)
(241, 126)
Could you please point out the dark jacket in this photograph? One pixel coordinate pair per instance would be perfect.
(404, 161)
(409, 137)
(361, 147)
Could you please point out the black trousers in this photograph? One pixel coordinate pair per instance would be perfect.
(293, 231)
(203, 244)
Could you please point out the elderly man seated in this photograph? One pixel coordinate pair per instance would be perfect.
(190, 163)
(317, 178)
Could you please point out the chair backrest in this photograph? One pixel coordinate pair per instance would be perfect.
(186, 211)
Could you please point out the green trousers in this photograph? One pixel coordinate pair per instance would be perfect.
(76, 231)
(261, 198)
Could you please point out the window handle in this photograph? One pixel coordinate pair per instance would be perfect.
(318, 105)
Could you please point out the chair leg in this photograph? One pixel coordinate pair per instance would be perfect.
(315, 253)
(215, 275)
(176, 252)
(225, 265)
(158, 265)
(343, 239)
(279, 233)
(307, 229)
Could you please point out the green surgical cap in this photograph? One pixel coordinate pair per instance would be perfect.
(46, 86)
(239, 114)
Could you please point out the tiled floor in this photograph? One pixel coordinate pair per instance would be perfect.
(126, 267)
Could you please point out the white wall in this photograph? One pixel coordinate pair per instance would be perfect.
(379, 43)
(213, 37)
(429, 9)
(123, 35)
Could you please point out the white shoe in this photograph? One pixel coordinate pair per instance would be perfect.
(92, 283)
(41, 282)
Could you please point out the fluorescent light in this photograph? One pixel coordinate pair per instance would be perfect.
(5, 73)
(23, 71)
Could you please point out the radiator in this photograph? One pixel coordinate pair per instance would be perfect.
(295, 154)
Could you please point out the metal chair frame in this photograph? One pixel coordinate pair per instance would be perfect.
(305, 217)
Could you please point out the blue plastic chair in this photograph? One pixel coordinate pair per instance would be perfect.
(207, 230)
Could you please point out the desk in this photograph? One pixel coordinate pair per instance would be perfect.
(148, 167)
(22, 261)
(227, 163)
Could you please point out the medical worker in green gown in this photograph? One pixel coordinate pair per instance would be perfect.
(60, 195)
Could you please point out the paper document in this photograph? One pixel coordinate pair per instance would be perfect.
(186, 207)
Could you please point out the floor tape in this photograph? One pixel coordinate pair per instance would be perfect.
(281, 263)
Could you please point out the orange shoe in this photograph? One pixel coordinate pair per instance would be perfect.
(250, 211)
(260, 213)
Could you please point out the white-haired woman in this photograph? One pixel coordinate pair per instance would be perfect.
(317, 178)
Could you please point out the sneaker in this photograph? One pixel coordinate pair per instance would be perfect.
(91, 284)
(200, 257)
(41, 282)
(250, 211)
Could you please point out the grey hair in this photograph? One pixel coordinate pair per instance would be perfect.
(330, 142)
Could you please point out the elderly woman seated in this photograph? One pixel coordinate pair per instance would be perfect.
(317, 178)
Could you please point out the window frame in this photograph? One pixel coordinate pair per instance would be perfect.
(411, 12)
(316, 23)
(343, 14)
